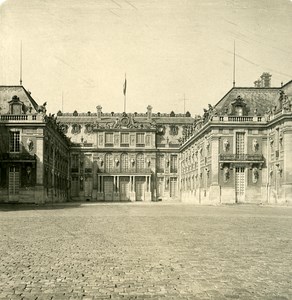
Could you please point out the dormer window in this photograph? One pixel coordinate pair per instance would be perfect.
(15, 106)
(238, 107)
(239, 111)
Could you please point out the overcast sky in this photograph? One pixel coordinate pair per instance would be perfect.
(167, 48)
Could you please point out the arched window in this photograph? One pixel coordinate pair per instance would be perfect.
(140, 161)
(109, 163)
(124, 162)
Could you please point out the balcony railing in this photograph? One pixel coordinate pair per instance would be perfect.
(128, 171)
(17, 157)
(241, 157)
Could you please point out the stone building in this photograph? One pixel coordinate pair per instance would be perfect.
(124, 157)
(34, 159)
(240, 150)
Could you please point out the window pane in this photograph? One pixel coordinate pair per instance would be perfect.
(14, 141)
(124, 138)
(140, 162)
(109, 138)
(140, 138)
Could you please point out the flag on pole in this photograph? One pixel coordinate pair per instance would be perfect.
(125, 86)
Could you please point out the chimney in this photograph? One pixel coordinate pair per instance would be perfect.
(257, 83)
(99, 108)
(149, 112)
(266, 80)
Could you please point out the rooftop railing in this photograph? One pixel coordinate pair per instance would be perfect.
(239, 119)
(8, 117)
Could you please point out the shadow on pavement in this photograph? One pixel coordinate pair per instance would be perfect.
(31, 206)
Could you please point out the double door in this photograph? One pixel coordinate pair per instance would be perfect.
(14, 183)
(125, 188)
(239, 184)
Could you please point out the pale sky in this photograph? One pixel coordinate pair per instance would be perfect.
(167, 48)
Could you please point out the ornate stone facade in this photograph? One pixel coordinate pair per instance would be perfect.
(248, 159)
(238, 151)
(34, 159)
(124, 157)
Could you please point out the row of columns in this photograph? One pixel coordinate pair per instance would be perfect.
(100, 181)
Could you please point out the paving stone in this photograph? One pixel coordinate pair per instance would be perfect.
(139, 251)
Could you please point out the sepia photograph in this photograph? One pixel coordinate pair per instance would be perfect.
(145, 149)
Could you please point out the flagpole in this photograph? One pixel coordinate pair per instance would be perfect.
(20, 75)
(125, 93)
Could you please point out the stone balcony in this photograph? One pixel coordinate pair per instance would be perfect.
(17, 157)
(241, 158)
(130, 171)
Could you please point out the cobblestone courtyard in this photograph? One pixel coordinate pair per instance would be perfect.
(142, 251)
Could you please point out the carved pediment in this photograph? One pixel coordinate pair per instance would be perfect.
(126, 121)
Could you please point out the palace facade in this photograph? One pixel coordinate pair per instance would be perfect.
(238, 151)
(124, 157)
(34, 152)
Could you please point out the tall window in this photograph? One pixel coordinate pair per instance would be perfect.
(239, 142)
(14, 141)
(87, 163)
(109, 139)
(124, 139)
(140, 162)
(124, 162)
(173, 164)
(140, 139)
(75, 163)
(160, 164)
(109, 163)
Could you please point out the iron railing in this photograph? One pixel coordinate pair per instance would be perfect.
(128, 171)
(241, 157)
(17, 156)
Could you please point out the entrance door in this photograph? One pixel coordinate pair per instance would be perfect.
(14, 183)
(160, 187)
(239, 184)
(125, 188)
(108, 188)
(173, 187)
(88, 187)
(75, 186)
(140, 182)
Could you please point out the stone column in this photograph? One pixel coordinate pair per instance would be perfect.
(214, 192)
(39, 188)
(101, 185)
(133, 193)
(264, 171)
(286, 173)
(94, 181)
(148, 189)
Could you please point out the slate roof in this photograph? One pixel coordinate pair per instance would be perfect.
(7, 92)
(255, 98)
